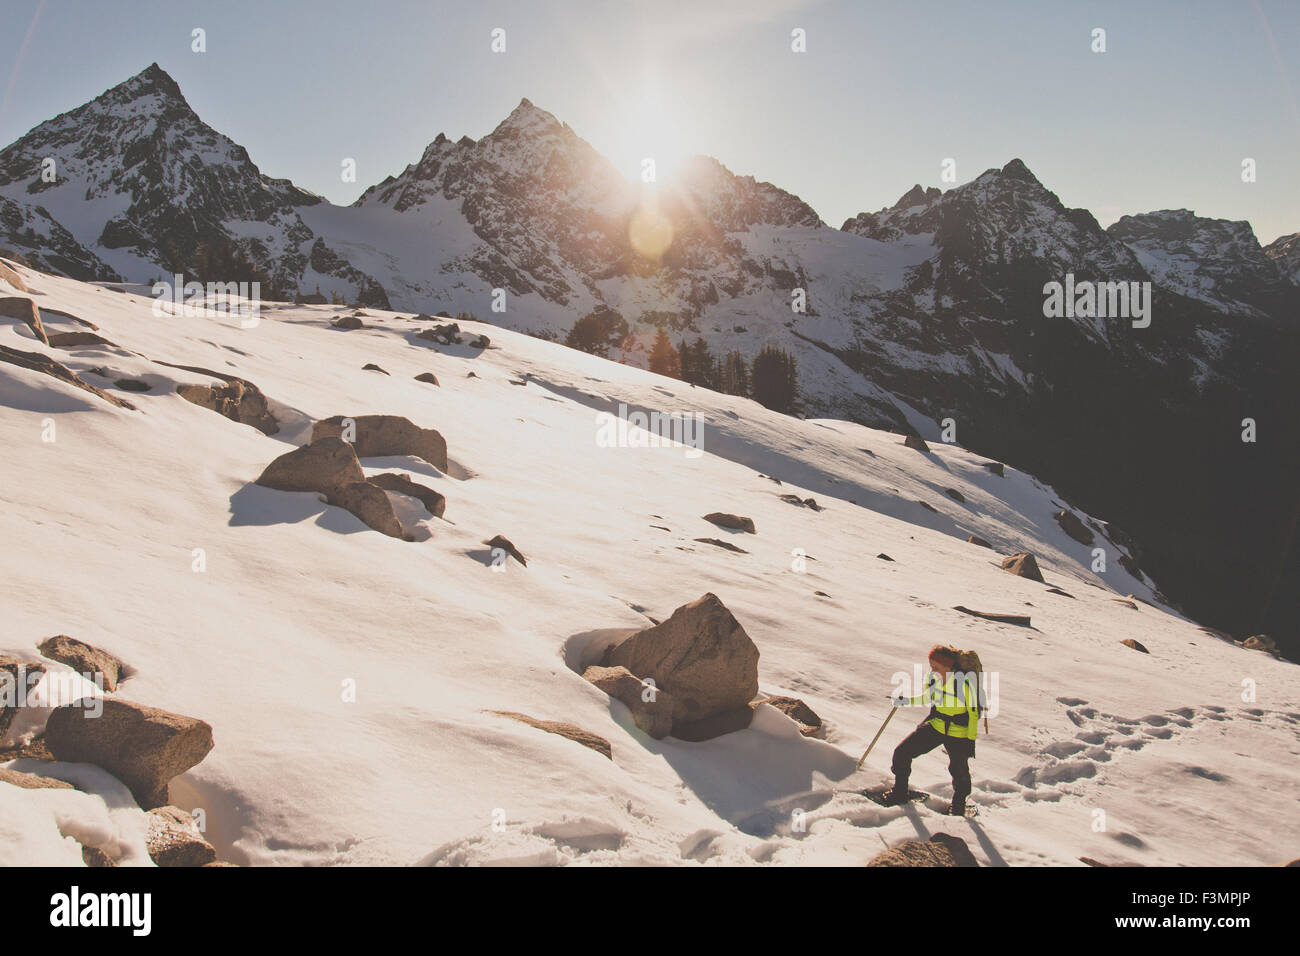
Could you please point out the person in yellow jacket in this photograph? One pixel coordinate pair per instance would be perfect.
(953, 721)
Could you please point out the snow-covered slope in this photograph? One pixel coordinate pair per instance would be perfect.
(298, 599)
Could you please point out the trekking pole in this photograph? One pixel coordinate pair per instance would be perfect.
(877, 737)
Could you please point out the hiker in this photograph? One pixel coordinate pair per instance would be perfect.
(953, 722)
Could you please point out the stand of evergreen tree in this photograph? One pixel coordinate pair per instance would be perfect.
(776, 379)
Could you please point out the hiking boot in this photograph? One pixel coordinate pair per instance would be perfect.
(957, 808)
(894, 797)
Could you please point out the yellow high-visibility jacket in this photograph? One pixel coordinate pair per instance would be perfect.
(954, 709)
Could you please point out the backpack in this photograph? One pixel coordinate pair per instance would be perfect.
(968, 664)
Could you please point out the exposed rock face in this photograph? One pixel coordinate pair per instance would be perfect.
(652, 707)
(917, 442)
(369, 503)
(433, 502)
(1072, 525)
(47, 366)
(940, 850)
(32, 781)
(569, 731)
(25, 310)
(1023, 565)
(83, 658)
(1131, 566)
(144, 747)
(324, 466)
(504, 543)
(732, 522)
(236, 399)
(701, 656)
(378, 435)
(173, 839)
(1260, 642)
(17, 679)
(12, 277)
(810, 725)
(1137, 646)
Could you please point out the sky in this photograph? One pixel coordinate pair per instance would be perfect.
(883, 94)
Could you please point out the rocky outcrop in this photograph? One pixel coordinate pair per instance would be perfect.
(144, 747)
(47, 366)
(731, 522)
(369, 503)
(651, 707)
(25, 310)
(324, 466)
(68, 340)
(236, 399)
(377, 435)
(12, 277)
(1072, 525)
(1023, 565)
(568, 731)
(810, 725)
(942, 849)
(88, 661)
(704, 659)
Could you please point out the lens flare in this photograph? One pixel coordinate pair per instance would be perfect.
(650, 231)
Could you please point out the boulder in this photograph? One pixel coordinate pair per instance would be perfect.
(1260, 642)
(996, 467)
(701, 656)
(369, 503)
(927, 506)
(95, 857)
(955, 495)
(324, 466)
(917, 442)
(731, 522)
(377, 435)
(810, 725)
(173, 839)
(132, 385)
(652, 707)
(372, 367)
(347, 323)
(144, 747)
(85, 659)
(568, 731)
(24, 309)
(976, 539)
(18, 678)
(884, 557)
(1072, 525)
(32, 781)
(236, 399)
(1023, 565)
(1129, 642)
(504, 543)
(433, 502)
(442, 334)
(428, 377)
(942, 849)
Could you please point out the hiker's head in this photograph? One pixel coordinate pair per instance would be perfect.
(943, 658)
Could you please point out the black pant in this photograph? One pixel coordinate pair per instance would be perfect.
(924, 739)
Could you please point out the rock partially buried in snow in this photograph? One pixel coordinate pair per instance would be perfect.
(47, 366)
(25, 310)
(942, 849)
(719, 543)
(32, 781)
(917, 442)
(996, 467)
(427, 377)
(348, 323)
(324, 466)
(378, 435)
(976, 539)
(12, 277)
(731, 522)
(704, 659)
(651, 707)
(1072, 525)
(1137, 646)
(173, 839)
(504, 544)
(68, 340)
(433, 502)
(236, 399)
(810, 725)
(568, 731)
(1023, 565)
(144, 747)
(85, 659)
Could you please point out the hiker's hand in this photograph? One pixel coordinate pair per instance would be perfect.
(898, 701)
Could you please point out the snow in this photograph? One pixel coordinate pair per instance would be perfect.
(298, 602)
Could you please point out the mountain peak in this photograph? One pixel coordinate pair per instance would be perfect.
(153, 79)
(1016, 169)
(528, 118)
